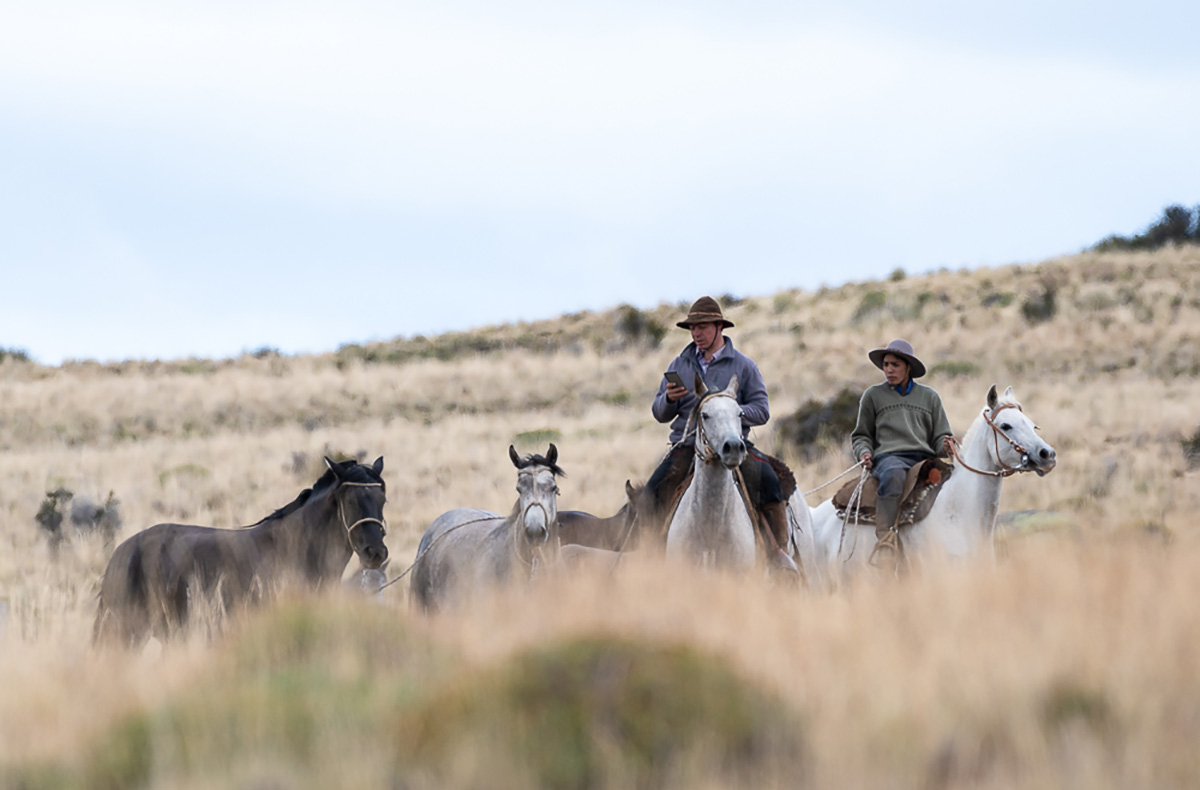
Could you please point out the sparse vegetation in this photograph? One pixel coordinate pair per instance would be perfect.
(333, 691)
(1177, 225)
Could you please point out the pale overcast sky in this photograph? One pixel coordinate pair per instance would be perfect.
(203, 178)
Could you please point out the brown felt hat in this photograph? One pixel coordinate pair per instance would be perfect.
(902, 349)
(705, 310)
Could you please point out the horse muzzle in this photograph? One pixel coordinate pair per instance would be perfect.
(1041, 461)
(733, 454)
(373, 557)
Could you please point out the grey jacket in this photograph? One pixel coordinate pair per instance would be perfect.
(752, 392)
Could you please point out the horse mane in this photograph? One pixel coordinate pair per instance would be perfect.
(541, 460)
(351, 471)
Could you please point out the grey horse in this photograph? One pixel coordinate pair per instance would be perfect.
(467, 550)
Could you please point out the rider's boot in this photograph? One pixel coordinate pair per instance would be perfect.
(775, 519)
(887, 556)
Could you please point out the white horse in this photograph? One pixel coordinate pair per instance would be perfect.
(466, 550)
(1000, 442)
(711, 524)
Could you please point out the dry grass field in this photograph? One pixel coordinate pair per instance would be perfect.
(1069, 662)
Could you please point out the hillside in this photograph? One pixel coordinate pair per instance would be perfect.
(1103, 350)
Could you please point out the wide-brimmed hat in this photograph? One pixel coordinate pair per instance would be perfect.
(705, 310)
(902, 349)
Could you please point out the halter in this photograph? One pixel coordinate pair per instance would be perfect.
(368, 520)
(703, 448)
(997, 432)
(536, 558)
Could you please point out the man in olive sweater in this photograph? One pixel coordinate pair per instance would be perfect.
(900, 424)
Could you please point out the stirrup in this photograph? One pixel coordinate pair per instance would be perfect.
(889, 543)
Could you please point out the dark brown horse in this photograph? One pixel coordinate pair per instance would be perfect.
(156, 576)
(618, 532)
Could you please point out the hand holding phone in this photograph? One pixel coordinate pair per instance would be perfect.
(674, 378)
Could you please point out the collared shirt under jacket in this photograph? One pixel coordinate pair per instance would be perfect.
(751, 395)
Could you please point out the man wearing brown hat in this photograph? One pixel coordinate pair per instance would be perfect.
(900, 424)
(712, 356)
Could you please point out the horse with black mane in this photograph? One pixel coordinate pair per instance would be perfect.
(467, 551)
(155, 578)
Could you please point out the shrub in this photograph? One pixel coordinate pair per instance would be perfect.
(872, 302)
(49, 517)
(951, 369)
(1177, 225)
(638, 327)
(1191, 449)
(15, 354)
(1040, 307)
(577, 714)
(816, 422)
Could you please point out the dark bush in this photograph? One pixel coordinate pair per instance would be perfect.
(815, 423)
(1040, 307)
(15, 354)
(49, 517)
(1191, 450)
(1177, 225)
(637, 327)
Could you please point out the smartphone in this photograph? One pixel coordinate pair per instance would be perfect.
(675, 378)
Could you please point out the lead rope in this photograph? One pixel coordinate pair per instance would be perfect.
(433, 543)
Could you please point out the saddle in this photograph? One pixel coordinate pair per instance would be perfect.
(679, 477)
(921, 487)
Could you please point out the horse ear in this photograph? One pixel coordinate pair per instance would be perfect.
(332, 466)
(732, 388)
(1009, 396)
(701, 387)
(992, 398)
(552, 454)
(378, 465)
(516, 459)
(629, 490)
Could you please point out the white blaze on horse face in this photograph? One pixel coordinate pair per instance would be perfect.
(538, 502)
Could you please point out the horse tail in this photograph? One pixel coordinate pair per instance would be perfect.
(122, 612)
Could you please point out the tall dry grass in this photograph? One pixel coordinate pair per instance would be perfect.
(1069, 662)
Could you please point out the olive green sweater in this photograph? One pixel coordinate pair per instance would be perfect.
(889, 422)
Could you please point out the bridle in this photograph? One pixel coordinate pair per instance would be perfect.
(703, 449)
(997, 432)
(536, 553)
(366, 520)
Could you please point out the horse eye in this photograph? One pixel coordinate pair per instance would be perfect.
(1005, 427)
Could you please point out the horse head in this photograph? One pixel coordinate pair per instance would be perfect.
(1015, 444)
(717, 423)
(537, 500)
(360, 494)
